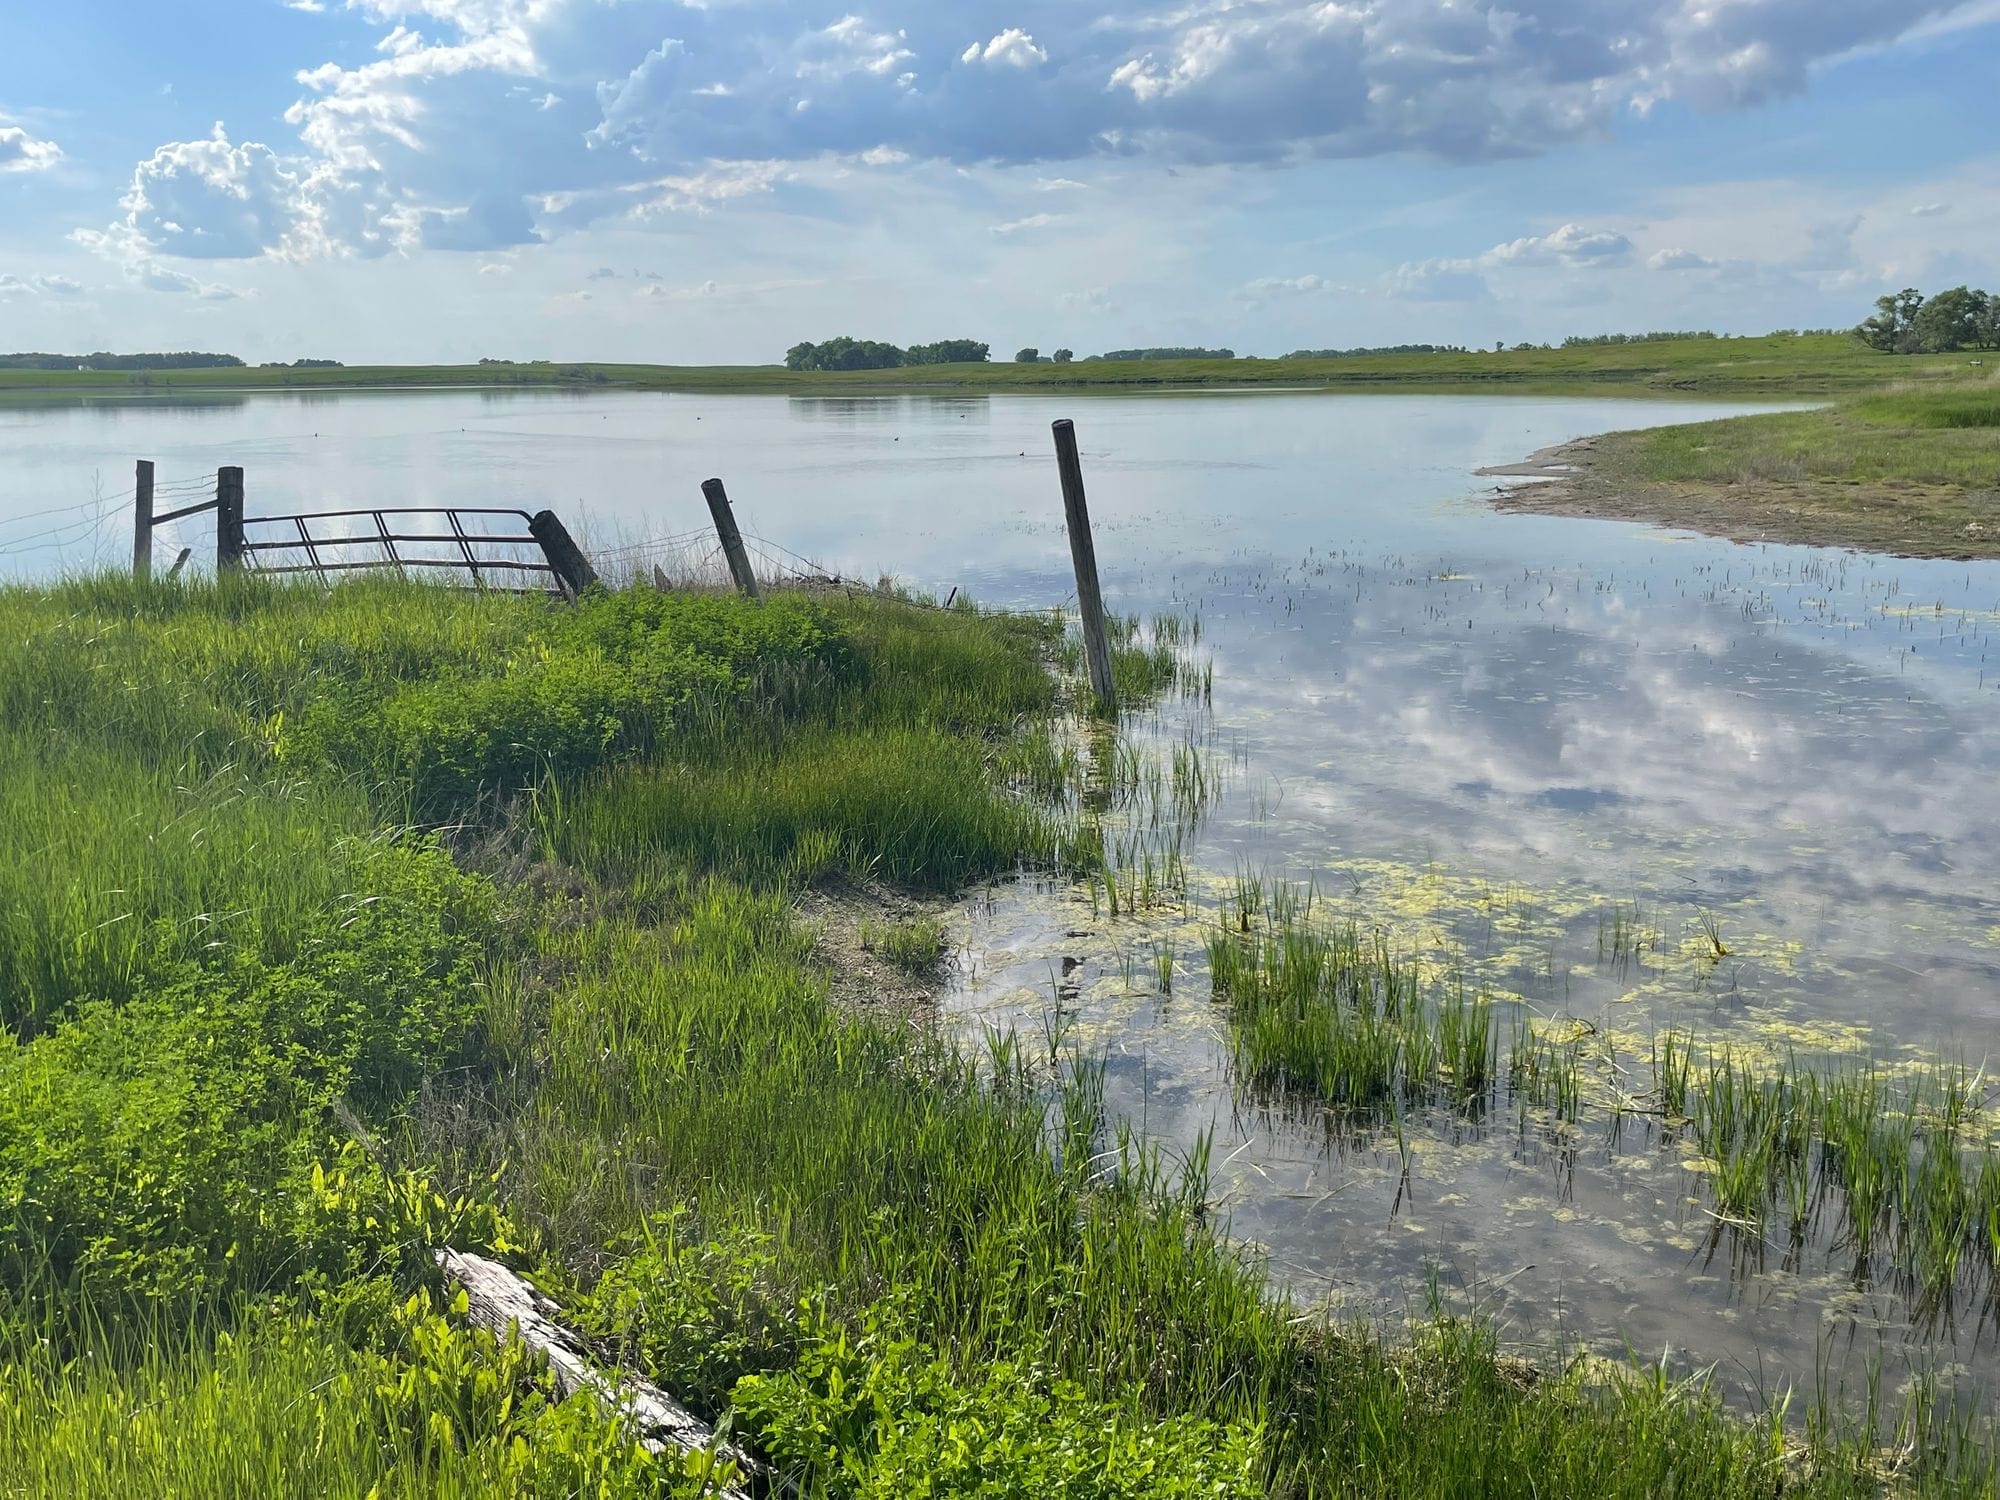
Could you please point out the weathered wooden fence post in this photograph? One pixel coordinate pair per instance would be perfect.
(566, 560)
(509, 1306)
(732, 539)
(228, 519)
(142, 521)
(1083, 553)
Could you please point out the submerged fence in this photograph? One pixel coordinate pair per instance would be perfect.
(536, 556)
(470, 547)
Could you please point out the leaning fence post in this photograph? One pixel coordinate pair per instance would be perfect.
(228, 519)
(142, 520)
(732, 539)
(1090, 602)
(566, 560)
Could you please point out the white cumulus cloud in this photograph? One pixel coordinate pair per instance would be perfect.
(1032, 221)
(848, 46)
(1284, 286)
(1571, 245)
(1012, 48)
(484, 125)
(39, 286)
(1437, 280)
(1464, 279)
(158, 278)
(22, 152)
(212, 200)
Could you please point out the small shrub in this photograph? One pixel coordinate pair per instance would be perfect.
(876, 1416)
(700, 1313)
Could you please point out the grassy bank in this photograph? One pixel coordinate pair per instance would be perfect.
(1914, 471)
(1775, 367)
(344, 926)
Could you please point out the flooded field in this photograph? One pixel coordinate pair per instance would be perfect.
(1678, 817)
(1731, 801)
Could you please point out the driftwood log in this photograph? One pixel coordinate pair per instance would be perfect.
(498, 1300)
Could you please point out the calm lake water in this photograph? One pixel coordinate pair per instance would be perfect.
(1480, 733)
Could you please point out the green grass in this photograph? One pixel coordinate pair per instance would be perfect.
(915, 945)
(378, 1400)
(1914, 470)
(541, 990)
(1775, 366)
(1951, 439)
(1931, 410)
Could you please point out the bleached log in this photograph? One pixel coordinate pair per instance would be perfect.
(498, 1300)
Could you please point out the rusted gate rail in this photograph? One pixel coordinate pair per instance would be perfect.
(490, 559)
(385, 537)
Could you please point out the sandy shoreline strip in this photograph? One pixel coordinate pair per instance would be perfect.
(1591, 479)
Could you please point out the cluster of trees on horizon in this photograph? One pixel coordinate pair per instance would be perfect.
(866, 354)
(1363, 353)
(1604, 340)
(846, 353)
(101, 361)
(1910, 323)
(1167, 353)
(1034, 356)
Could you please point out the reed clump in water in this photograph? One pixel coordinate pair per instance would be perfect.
(1895, 1166)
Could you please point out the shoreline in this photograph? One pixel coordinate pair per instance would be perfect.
(841, 387)
(1595, 478)
(1774, 367)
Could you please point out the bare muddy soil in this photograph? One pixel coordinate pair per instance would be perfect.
(833, 914)
(1593, 477)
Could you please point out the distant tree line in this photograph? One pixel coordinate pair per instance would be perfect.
(1911, 323)
(845, 353)
(1385, 349)
(305, 364)
(1599, 340)
(1163, 354)
(1672, 335)
(187, 361)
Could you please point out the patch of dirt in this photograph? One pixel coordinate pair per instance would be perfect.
(864, 983)
(1901, 518)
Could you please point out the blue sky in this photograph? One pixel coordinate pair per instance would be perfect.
(712, 180)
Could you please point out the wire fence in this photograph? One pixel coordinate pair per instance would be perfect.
(684, 559)
(87, 523)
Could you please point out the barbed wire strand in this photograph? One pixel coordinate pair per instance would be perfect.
(70, 532)
(61, 510)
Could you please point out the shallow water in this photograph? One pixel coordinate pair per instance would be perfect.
(1479, 732)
